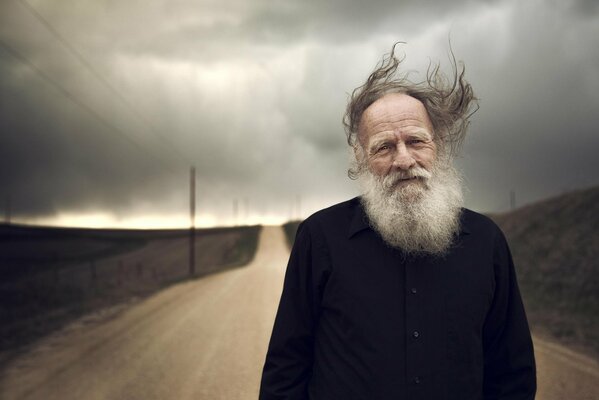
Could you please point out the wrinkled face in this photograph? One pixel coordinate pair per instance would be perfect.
(396, 134)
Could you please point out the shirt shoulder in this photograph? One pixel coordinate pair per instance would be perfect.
(486, 234)
(479, 224)
(333, 220)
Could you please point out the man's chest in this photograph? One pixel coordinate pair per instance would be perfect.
(434, 307)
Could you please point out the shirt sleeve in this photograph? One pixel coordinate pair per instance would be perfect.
(288, 366)
(509, 364)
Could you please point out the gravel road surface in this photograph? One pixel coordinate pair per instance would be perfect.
(206, 339)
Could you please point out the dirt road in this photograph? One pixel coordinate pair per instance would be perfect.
(563, 374)
(205, 340)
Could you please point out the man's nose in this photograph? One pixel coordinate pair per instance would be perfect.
(403, 158)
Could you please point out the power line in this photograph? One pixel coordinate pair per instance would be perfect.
(76, 100)
(100, 78)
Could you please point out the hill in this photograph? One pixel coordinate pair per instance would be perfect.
(290, 229)
(555, 246)
(51, 276)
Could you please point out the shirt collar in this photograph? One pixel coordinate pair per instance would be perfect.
(359, 220)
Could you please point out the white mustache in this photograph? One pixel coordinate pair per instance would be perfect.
(416, 172)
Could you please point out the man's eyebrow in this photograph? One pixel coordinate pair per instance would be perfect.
(420, 133)
(380, 139)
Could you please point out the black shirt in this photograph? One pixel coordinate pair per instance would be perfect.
(359, 319)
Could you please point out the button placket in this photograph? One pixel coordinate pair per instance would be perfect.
(414, 322)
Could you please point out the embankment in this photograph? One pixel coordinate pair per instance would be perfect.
(50, 276)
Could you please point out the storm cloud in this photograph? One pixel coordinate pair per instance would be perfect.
(104, 106)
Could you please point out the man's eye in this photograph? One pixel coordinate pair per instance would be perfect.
(382, 148)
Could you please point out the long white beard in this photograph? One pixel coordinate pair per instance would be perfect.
(420, 217)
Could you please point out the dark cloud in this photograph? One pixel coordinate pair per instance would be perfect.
(252, 94)
(585, 8)
(54, 155)
(208, 32)
(537, 121)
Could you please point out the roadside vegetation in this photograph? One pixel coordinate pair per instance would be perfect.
(52, 276)
(290, 229)
(555, 247)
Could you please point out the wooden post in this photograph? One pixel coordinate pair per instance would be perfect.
(192, 216)
(235, 211)
(93, 274)
(120, 278)
(55, 275)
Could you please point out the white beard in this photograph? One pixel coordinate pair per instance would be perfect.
(418, 217)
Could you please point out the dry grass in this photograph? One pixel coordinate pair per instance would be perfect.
(555, 246)
(290, 229)
(49, 276)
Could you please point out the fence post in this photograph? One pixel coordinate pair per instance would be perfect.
(120, 279)
(192, 217)
(93, 274)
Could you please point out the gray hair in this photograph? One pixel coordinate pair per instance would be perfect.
(449, 101)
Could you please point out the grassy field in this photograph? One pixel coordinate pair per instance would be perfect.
(555, 246)
(50, 276)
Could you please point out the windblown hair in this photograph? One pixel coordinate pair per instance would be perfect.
(449, 101)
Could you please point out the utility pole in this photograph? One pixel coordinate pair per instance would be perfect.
(192, 216)
(235, 211)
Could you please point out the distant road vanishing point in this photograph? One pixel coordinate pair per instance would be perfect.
(206, 339)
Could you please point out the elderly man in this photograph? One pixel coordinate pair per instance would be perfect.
(401, 293)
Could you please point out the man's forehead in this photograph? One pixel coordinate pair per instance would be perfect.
(396, 103)
(394, 111)
(406, 120)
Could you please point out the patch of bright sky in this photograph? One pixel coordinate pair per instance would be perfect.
(150, 221)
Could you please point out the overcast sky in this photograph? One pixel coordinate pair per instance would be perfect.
(105, 105)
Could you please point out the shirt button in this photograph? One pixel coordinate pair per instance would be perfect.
(416, 379)
(413, 290)
(415, 334)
